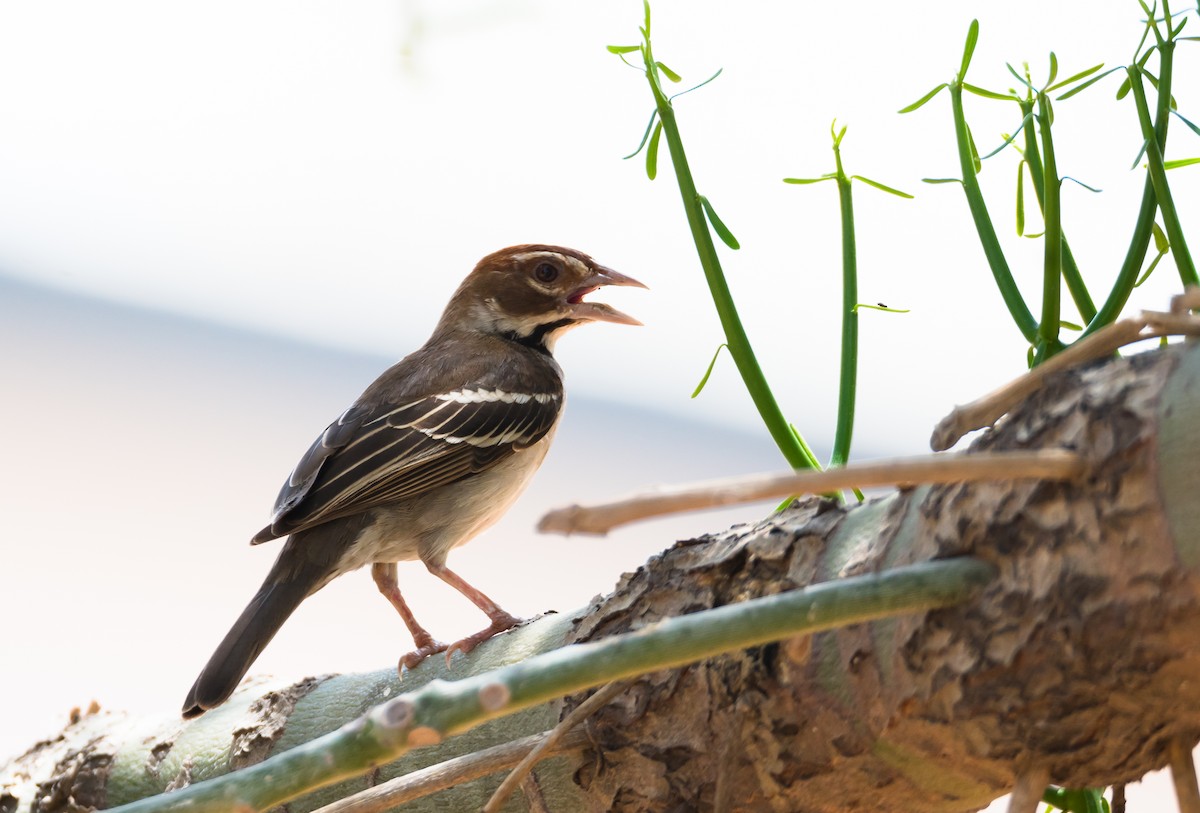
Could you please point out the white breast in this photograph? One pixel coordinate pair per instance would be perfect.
(430, 526)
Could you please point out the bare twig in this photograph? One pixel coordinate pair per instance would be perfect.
(1169, 324)
(533, 794)
(1183, 775)
(1049, 464)
(452, 772)
(1027, 794)
(988, 409)
(1189, 300)
(1118, 798)
(550, 739)
(1104, 342)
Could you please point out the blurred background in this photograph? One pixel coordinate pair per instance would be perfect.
(219, 223)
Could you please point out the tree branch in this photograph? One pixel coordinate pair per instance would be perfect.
(458, 770)
(1104, 342)
(1091, 623)
(548, 743)
(1045, 464)
(439, 709)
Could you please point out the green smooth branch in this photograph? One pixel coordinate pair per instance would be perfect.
(848, 373)
(699, 213)
(983, 223)
(1158, 177)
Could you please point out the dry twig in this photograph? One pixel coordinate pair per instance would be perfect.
(551, 738)
(1047, 464)
(987, 410)
(533, 794)
(1118, 798)
(1027, 794)
(1183, 776)
(452, 772)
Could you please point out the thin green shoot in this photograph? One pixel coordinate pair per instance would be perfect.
(708, 372)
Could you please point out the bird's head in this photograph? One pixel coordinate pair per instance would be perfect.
(533, 293)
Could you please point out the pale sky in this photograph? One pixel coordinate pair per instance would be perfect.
(330, 171)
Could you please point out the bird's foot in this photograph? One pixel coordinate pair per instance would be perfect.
(426, 645)
(501, 622)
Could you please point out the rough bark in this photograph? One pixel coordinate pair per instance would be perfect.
(1080, 658)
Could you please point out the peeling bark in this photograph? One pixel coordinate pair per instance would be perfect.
(1078, 660)
(255, 742)
(67, 773)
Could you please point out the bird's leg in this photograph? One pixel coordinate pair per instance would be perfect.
(501, 620)
(384, 574)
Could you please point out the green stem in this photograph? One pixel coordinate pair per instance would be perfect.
(442, 708)
(1078, 800)
(1074, 279)
(1143, 228)
(848, 382)
(740, 349)
(1158, 176)
(983, 223)
(1048, 342)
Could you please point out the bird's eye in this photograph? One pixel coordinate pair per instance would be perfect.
(546, 272)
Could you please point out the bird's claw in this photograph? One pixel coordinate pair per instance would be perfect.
(425, 648)
(500, 623)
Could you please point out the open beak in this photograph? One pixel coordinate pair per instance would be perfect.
(598, 311)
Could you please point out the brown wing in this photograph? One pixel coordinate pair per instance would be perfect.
(372, 457)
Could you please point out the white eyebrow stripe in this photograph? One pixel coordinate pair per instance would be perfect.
(484, 396)
(526, 256)
(529, 256)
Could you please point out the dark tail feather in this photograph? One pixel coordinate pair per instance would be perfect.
(264, 615)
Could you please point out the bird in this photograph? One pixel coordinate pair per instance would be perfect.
(431, 454)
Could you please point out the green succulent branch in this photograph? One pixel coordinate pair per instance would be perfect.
(1039, 157)
(1158, 174)
(969, 164)
(1143, 229)
(1037, 173)
(1053, 240)
(442, 708)
(848, 373)
(1077, 800)
(848, 378)
(700, 214)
